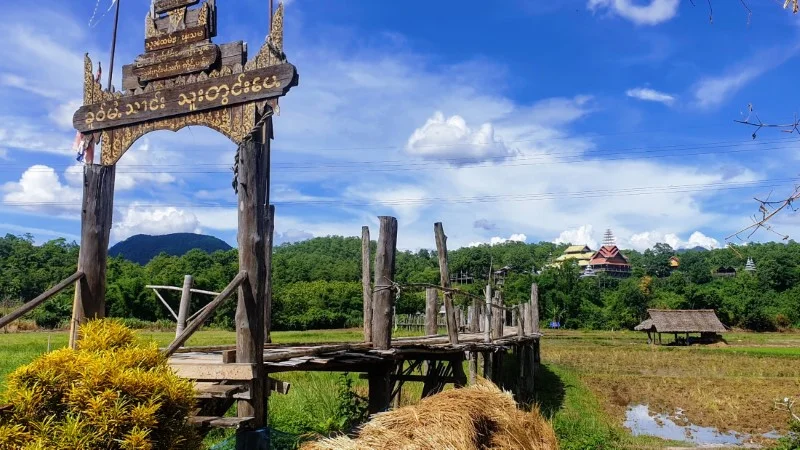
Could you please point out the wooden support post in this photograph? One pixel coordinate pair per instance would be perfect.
(444, 274)
(487, 315)
(380, 387)
(473, 367)
(252, 188)
(458, 371)
(431, 328)
(96, 215)
(498, 316)
(475, 323)
(533, 313)
(488, 365)
(366, 287)
(520, 321)
(186, 303)
(268, 303)
(383, 296)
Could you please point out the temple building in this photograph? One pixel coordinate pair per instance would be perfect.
(582, 254)
(609, 259)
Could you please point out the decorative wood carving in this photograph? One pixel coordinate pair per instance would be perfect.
(179, 82)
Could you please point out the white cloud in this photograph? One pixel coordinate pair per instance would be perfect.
(138, 219)
(712, 91)
(652, 13)
(651, 95)
(144, 163)
(452, 140)
(645, 240)
(583, 235)
(62, 115)
(519, 237)
(40, 189)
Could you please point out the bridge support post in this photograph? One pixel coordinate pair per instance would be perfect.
(383, 296)
(252, 181)
(96, 215)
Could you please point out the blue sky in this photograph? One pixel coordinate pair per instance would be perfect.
(504, 120)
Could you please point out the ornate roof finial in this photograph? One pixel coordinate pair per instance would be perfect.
(608, 239)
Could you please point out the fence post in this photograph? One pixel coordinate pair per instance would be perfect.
(383, 296)
(431, 327)
(186, 302)
(444, 273)
(533, 311)
(487, 323)
(365, 283)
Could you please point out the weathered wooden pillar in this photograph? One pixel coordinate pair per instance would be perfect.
(499, 316)
(268, 302)
(96, 217)
(252, 180)
(380, 387)
(444, 274)
(520, 320)
(383, 295)
(533, 313)
(431, 328)
(186, 303)
(474, 324)
(365, 283)
(473, 367)
(487, 315)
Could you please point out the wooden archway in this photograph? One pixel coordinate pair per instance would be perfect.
(184, 79)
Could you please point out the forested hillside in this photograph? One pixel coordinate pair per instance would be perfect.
(317, 282)
(142, 248)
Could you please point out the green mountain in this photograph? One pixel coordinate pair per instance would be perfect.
(142, 248)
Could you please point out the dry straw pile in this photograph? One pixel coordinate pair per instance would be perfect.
(477, 417)
(111, 393)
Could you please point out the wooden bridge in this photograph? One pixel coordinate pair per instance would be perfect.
(184, 79)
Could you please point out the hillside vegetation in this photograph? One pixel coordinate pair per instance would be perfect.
(142, 248)
(317, 283)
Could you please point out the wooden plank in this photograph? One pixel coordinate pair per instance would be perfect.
(162, 6)
(366, 287)
(129, 80)
(206, 391)
(533, 312)
(215, 371)
(188, 35)
(98, 206)
(191, 20)
(33, 304)
(198, 322)
(252, 181)
(175, 54)
(444, 272)
(220, 422)
(383, 296)
(259, 84)
(233, 53)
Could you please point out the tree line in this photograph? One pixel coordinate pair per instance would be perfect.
(316, 283)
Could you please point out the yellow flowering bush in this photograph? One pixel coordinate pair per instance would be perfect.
(110, 393)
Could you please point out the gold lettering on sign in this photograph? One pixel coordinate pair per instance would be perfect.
(171, 54)
(187, 36)
(224, 92)
(162, 6)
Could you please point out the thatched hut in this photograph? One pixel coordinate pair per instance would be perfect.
(684, 321)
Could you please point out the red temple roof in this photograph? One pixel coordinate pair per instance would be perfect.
(609, 254)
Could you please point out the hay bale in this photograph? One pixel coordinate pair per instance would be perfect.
(477, 417)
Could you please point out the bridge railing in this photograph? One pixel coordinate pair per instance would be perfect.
(35, 303)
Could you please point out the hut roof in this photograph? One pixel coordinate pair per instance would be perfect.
(682, 321)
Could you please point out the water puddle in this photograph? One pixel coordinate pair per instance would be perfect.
(640, 421)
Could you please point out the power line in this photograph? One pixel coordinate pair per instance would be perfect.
(595, 193)
(505, 161)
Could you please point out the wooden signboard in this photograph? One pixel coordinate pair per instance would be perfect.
(181, 37)
(175, 61)
(254, 85)
(162, 6)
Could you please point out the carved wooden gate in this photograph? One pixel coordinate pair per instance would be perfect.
(184, 79)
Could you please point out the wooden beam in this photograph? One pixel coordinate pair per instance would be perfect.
(366, 288)
(252, 190)
(383, 296)
(180, 289)
(215, 371)
(444, 275)
(198, 322)
(33, 304)
(98, 206)
(431, 313)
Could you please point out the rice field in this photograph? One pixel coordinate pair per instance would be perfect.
(587, 382)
